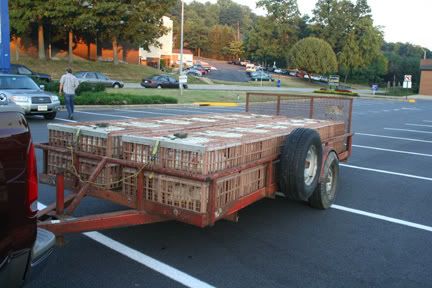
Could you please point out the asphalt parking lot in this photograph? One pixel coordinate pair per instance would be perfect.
(378, 234)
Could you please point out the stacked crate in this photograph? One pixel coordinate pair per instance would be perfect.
(105, 139)
(211, 150)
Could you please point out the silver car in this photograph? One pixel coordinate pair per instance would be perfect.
(98, 78)
(23, 91)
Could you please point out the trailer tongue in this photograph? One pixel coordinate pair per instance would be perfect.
(199, 169)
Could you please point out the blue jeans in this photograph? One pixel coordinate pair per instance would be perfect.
(69, 101)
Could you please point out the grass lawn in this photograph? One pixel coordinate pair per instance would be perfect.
(285, 82)
(189, 96)
(123, 72)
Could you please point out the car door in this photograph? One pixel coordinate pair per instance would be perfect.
(104, 80)
(164, 82)
(172, 82)
(90, 77)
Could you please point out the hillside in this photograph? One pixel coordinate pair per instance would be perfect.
(56, 68)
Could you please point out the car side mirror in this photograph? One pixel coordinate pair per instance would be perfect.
(42, 87)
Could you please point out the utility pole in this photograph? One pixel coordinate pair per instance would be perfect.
(238, 30)
(4, 37)
(181, 47)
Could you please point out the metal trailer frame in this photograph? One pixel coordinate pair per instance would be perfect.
(57, 217)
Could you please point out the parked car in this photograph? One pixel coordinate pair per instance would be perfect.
(19, 69)
(278, 71)
(194, 72)
(161, 81)
(23, 91)
(98, 78)
(250, 68)
(200, 68)
(24, 249)
(261, 75)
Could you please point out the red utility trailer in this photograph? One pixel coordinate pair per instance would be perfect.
(197, 169)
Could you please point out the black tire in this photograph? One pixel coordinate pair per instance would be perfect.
(50, 116)
(116, 85)
(185, 86)
(325, 193)
(291, 175)
(159, 87)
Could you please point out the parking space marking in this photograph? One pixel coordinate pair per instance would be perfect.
(102, 114)
(375, 216)
(427, 121)
(418, 125)
(386, 172)
(409, 130)
(66, 120)
(156, 265)
(392, 137)
(382, 217)
(391, 150)
(146, 112)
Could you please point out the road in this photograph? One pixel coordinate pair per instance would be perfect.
(377, 235)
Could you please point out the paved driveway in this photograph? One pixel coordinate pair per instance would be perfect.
(379, 233)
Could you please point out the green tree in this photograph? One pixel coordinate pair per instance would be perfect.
(68, 15)
(350, 57)
(282, 11)
(26, 12)
(220, 36)
(234, 50)
(313, 55)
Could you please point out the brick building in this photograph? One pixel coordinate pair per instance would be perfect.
(426, 77)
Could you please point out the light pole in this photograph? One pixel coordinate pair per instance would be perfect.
(181, 47)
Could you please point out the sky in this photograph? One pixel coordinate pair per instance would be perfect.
(401, 20)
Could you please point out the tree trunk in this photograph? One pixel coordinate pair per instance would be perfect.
(41, 40)
(115, 50)
(346, 76)
(88, 49)
(17, 43)
(199, 52)
(70, 43)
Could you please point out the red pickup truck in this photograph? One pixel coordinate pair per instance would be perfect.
(23, 247)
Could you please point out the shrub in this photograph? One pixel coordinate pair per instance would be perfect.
(102, 98)
(336, 92)
(83, 87)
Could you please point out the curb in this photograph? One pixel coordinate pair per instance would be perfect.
(219, 104)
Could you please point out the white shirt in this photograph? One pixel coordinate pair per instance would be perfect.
(70, 83)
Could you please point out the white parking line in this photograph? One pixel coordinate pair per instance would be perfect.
(376, 216)
(392, 137)
(146, 112)
(382, 217)
(386, 172)
(66, 120)
(156, 265)
(102, 114)
(409, 130)
(427, 121)
(391, 150)
(418, 125)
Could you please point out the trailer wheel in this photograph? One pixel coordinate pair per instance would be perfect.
(325, 193)
(300, 164)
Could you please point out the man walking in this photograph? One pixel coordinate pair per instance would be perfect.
(68, 84)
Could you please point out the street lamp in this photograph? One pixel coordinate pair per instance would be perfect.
(181, 46)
